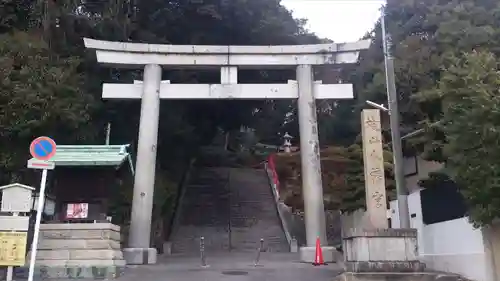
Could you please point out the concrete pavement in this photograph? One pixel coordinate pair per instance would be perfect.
(233, 266)
(228, 266)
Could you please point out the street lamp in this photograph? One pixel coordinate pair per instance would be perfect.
(378, 106)
(419, 131)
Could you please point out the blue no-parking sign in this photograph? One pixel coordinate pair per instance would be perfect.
(43, 148)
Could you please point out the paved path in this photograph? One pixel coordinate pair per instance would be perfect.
(233, 266)
(228, 267)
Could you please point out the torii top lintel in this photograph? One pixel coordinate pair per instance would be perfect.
(136, 55)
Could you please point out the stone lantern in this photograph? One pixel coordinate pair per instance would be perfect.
(287, 144)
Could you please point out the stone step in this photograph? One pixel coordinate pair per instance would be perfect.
(256, 235)
(195, 248)
(254, 242)
(244, 206)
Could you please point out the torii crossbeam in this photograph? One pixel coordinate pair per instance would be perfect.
(227, 91)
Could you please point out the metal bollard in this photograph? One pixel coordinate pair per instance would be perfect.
(202, 252)
(259, 250)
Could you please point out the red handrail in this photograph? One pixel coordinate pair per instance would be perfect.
(272, 166)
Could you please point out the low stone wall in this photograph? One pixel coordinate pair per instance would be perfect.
(77, 251)
(382, 250)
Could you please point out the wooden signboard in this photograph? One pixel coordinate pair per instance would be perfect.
(16, 198)
(13, 248)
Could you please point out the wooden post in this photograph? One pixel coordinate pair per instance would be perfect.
(10, 269)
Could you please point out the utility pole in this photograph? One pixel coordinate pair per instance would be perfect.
(397, 149)
(45, 8)
(108, 133)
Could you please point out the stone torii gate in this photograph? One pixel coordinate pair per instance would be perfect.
(229, 59)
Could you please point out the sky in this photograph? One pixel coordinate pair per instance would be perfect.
(338, 20)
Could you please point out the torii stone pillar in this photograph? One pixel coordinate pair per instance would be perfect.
(144, 181)
(229, 59)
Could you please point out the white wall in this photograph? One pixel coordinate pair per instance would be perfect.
(455, 246)
(451, 246)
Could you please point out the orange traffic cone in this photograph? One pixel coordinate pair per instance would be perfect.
(318, 259)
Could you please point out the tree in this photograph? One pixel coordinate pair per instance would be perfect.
(176, 22)
(470, 94)
(424, 34)
(49, 83)
(432, 43)
(40, 94)
(342, 175)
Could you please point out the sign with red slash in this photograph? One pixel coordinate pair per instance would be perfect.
(42, 149)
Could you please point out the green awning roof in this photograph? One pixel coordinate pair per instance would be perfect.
(92, 155)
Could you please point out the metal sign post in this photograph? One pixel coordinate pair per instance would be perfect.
(42, 149)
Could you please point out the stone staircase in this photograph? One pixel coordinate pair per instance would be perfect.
(203, 211)
(231, 208)
(253, 213)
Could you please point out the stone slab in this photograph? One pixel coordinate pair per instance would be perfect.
(78, 251)
(382, 232)
(81, 234)
(79, 226)
(308, 254)
(75, 244)
(382, 266)
(139, 256)
(79, 255)
(81, 263)
(95, 254)
(397, 276)
(381, 245)
(71, 272)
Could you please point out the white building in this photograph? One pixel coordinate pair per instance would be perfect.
(452, 245)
